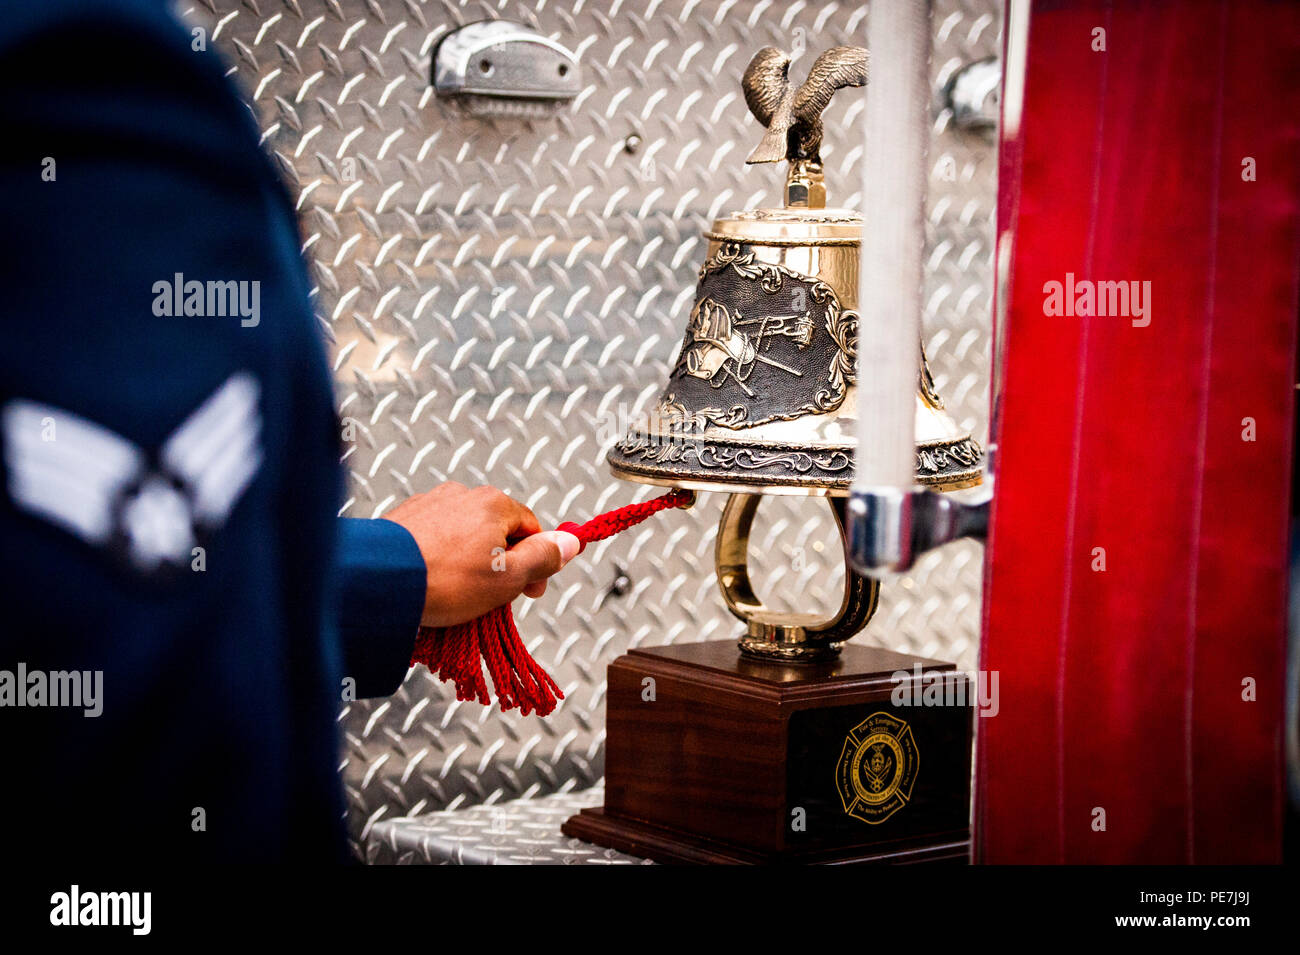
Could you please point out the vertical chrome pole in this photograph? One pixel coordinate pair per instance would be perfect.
(891, 274)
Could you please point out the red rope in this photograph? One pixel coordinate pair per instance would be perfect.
(457, 653)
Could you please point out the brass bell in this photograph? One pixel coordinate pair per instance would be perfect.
(762, 397)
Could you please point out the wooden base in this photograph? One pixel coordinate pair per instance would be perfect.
(681, 848)
(716, 758)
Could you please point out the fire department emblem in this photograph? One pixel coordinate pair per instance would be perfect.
(877, 768)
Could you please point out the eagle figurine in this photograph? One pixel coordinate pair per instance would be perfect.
(793, 115)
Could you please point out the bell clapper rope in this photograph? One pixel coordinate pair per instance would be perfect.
(457, 653)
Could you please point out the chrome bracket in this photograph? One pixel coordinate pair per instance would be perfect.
(888, 528)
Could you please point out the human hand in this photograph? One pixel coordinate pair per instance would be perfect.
(465, 537)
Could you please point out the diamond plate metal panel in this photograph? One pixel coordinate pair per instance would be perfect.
(519, 832)
(501, 296)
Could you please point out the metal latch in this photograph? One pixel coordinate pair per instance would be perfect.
(504, 68)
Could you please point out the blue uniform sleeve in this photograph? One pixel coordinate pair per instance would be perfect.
(381, 585)
(140, 165)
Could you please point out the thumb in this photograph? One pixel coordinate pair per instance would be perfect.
(538, 556)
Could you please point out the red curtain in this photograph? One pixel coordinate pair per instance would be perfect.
(1135, 585)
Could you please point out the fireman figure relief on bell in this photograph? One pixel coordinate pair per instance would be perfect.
(763, 343)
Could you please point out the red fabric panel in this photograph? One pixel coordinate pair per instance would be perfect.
(1122, 689)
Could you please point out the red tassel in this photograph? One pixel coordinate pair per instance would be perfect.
(457, 653)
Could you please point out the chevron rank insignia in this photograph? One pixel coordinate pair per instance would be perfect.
(149, 509)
